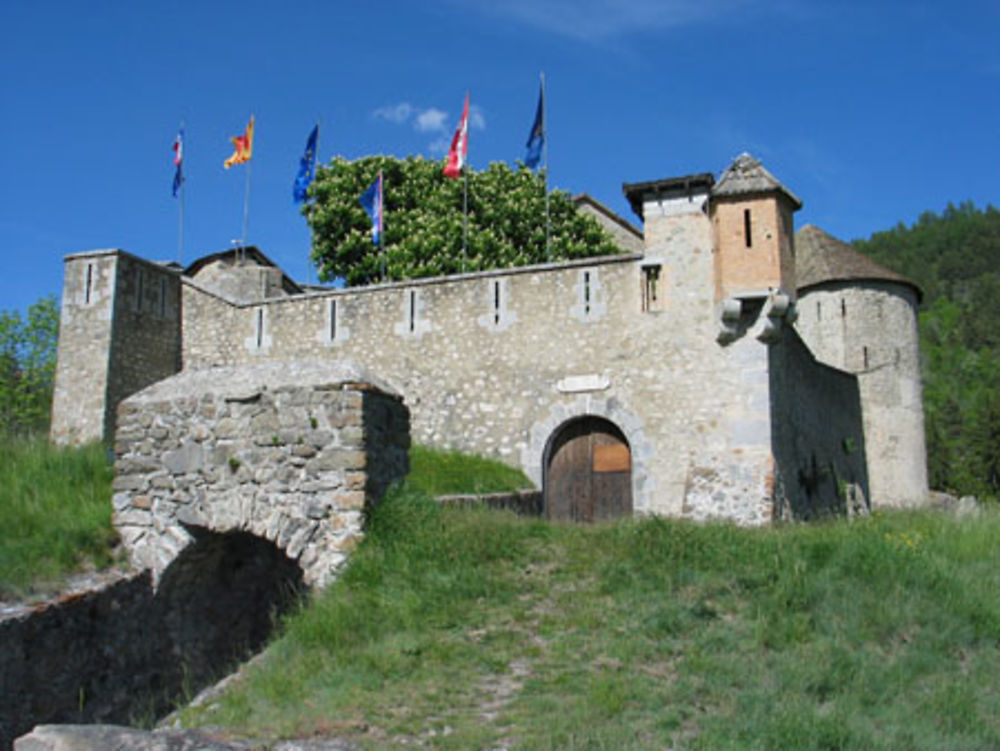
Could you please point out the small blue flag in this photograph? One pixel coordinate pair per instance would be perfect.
(371, 201)
(307, 168)
(536, 139)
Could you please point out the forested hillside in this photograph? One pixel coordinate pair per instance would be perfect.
(955, 258)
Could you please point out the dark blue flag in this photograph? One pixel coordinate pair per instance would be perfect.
(536, 139)
(307, 168)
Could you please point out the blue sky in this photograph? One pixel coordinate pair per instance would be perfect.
(871, 112)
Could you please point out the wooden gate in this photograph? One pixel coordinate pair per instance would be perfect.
(589, 472)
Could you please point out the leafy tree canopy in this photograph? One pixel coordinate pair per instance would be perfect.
(423, 221)
(27, 366)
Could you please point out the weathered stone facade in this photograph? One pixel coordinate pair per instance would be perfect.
(676, 348)
(288, 452)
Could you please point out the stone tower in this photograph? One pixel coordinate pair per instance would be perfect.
(120, 331)
(862, 318)
(751, 213)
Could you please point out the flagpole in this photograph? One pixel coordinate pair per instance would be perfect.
(246, 212)
(180, 223)
(545, 157)
(465, 215)
(381, 221)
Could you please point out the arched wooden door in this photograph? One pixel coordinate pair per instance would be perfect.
(589, 472)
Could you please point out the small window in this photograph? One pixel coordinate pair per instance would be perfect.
(650, 288)
(747, 236)
(864, 354)
(586, 293)
(260, 328)
(163, 297)
(413, 310)
(333, 320)
(89, 284)
(138, 290)
(496, 303)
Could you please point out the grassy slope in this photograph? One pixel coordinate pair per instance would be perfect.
(55, 512)
(470, 629)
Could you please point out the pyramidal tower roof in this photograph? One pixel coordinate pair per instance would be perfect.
(820, 257)
(746, 175)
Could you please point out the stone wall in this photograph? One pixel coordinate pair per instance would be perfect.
(819, 442)
(81, 378)
(123, 652)
(289, 452)
(494, 363)
(869, 328)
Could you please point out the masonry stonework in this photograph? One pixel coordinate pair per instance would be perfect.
(686, 349)
(291, 453)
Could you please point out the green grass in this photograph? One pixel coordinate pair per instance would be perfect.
(460, 629)
(437, 472)
(55, 512)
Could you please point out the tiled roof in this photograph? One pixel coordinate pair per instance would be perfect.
(820, 257)
(746, 175)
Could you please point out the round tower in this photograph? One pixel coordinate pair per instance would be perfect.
(862, 318)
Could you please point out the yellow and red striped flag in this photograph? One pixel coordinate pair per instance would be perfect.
(244, 147)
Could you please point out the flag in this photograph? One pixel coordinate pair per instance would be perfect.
(178, 148)
(459, 150)
(244, 147)
(307, 168)
(371, 200)
(536, 138)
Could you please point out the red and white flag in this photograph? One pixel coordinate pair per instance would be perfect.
(459, 150)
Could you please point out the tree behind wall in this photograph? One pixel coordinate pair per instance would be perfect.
(424, 221)
(27, 366)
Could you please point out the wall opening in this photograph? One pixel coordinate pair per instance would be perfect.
(89, 284)
(221, 598)
(586, 293)
(747, 228)
(333, 320)
(138, 290)
(650, 288)
(588, 472)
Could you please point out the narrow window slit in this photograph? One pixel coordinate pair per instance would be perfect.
(138, 290)
(163, 297)
(586, 292)
(333, 320)
(864, 352)
(413, 310)
(747, 228)
(90, 283)
(496, 303)
(260, 327)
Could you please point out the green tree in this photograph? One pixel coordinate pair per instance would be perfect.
(27, 366)
(423, 228)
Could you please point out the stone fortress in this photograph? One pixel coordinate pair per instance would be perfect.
(723, 366)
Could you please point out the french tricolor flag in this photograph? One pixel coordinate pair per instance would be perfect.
(178, 149)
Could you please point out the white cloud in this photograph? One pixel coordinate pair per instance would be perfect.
(430, 120)
(394, 113)
(477, 120)
(601, 20)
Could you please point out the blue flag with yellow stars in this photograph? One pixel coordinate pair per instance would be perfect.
(307, 168)
(537, 136)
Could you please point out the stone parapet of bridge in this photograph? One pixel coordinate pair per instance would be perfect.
(288, 452)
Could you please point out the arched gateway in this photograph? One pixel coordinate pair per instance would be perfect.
(588, 472)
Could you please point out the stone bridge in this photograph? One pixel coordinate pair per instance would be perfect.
(285, 452)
